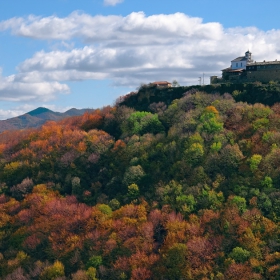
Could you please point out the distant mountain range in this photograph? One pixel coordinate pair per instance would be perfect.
(38, 117)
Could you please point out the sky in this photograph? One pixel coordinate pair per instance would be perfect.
(62, 54)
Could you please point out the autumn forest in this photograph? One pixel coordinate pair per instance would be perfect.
(171, 184)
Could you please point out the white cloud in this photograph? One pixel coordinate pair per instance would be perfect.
(128, 50)
(112, 2)
(135, 28)
(13, 89)
(7, 114)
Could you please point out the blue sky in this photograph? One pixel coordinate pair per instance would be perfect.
(65, 53)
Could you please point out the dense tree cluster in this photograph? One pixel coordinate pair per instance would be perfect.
(149, 95)
(186, 189)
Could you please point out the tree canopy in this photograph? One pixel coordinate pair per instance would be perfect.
(185, 187)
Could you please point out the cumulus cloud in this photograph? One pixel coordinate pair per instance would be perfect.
(135, 28)
(15, 111)
(112, 2)
(128, 50)
(14, 89)
(7, 114)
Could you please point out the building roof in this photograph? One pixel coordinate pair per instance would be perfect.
(240, 58)
(263, 63)
(229, 69)
(161, 83)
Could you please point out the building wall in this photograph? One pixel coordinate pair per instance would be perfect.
(264, 75)
(244, 63)
(260, 75)
(213, 79)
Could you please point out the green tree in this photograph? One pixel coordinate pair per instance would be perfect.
(133, 191)
(91, 273)
(254, 162)
(230, 159)
(133, 175)
(169, 194)
(260, 123)
(94, 261)
(142, 122)
(175, 261)
(267, 182)
(194, 154)
(216, 146)
(210, 122)
(240, 202)
(235, 93)
(105, 209)
(114, 204)
(195, 138)
(52, 272)
(186, 203)
(264, 202)
(210, 199)
(239, 254)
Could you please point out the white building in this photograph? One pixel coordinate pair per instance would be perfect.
(241, 61)
(236, 70)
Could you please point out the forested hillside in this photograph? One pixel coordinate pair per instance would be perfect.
(181, 186)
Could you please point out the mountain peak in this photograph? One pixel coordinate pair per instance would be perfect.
(37, 117)
(38, 111)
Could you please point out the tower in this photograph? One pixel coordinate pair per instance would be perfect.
(248, 55)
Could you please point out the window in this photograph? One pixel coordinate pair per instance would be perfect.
(236, 64)
(241, 64)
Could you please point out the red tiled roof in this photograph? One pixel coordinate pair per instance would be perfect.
(161, 83)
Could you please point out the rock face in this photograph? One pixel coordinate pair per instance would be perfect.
(38, 117)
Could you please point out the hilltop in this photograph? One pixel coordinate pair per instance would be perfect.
(178, 183)
(256, 92)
